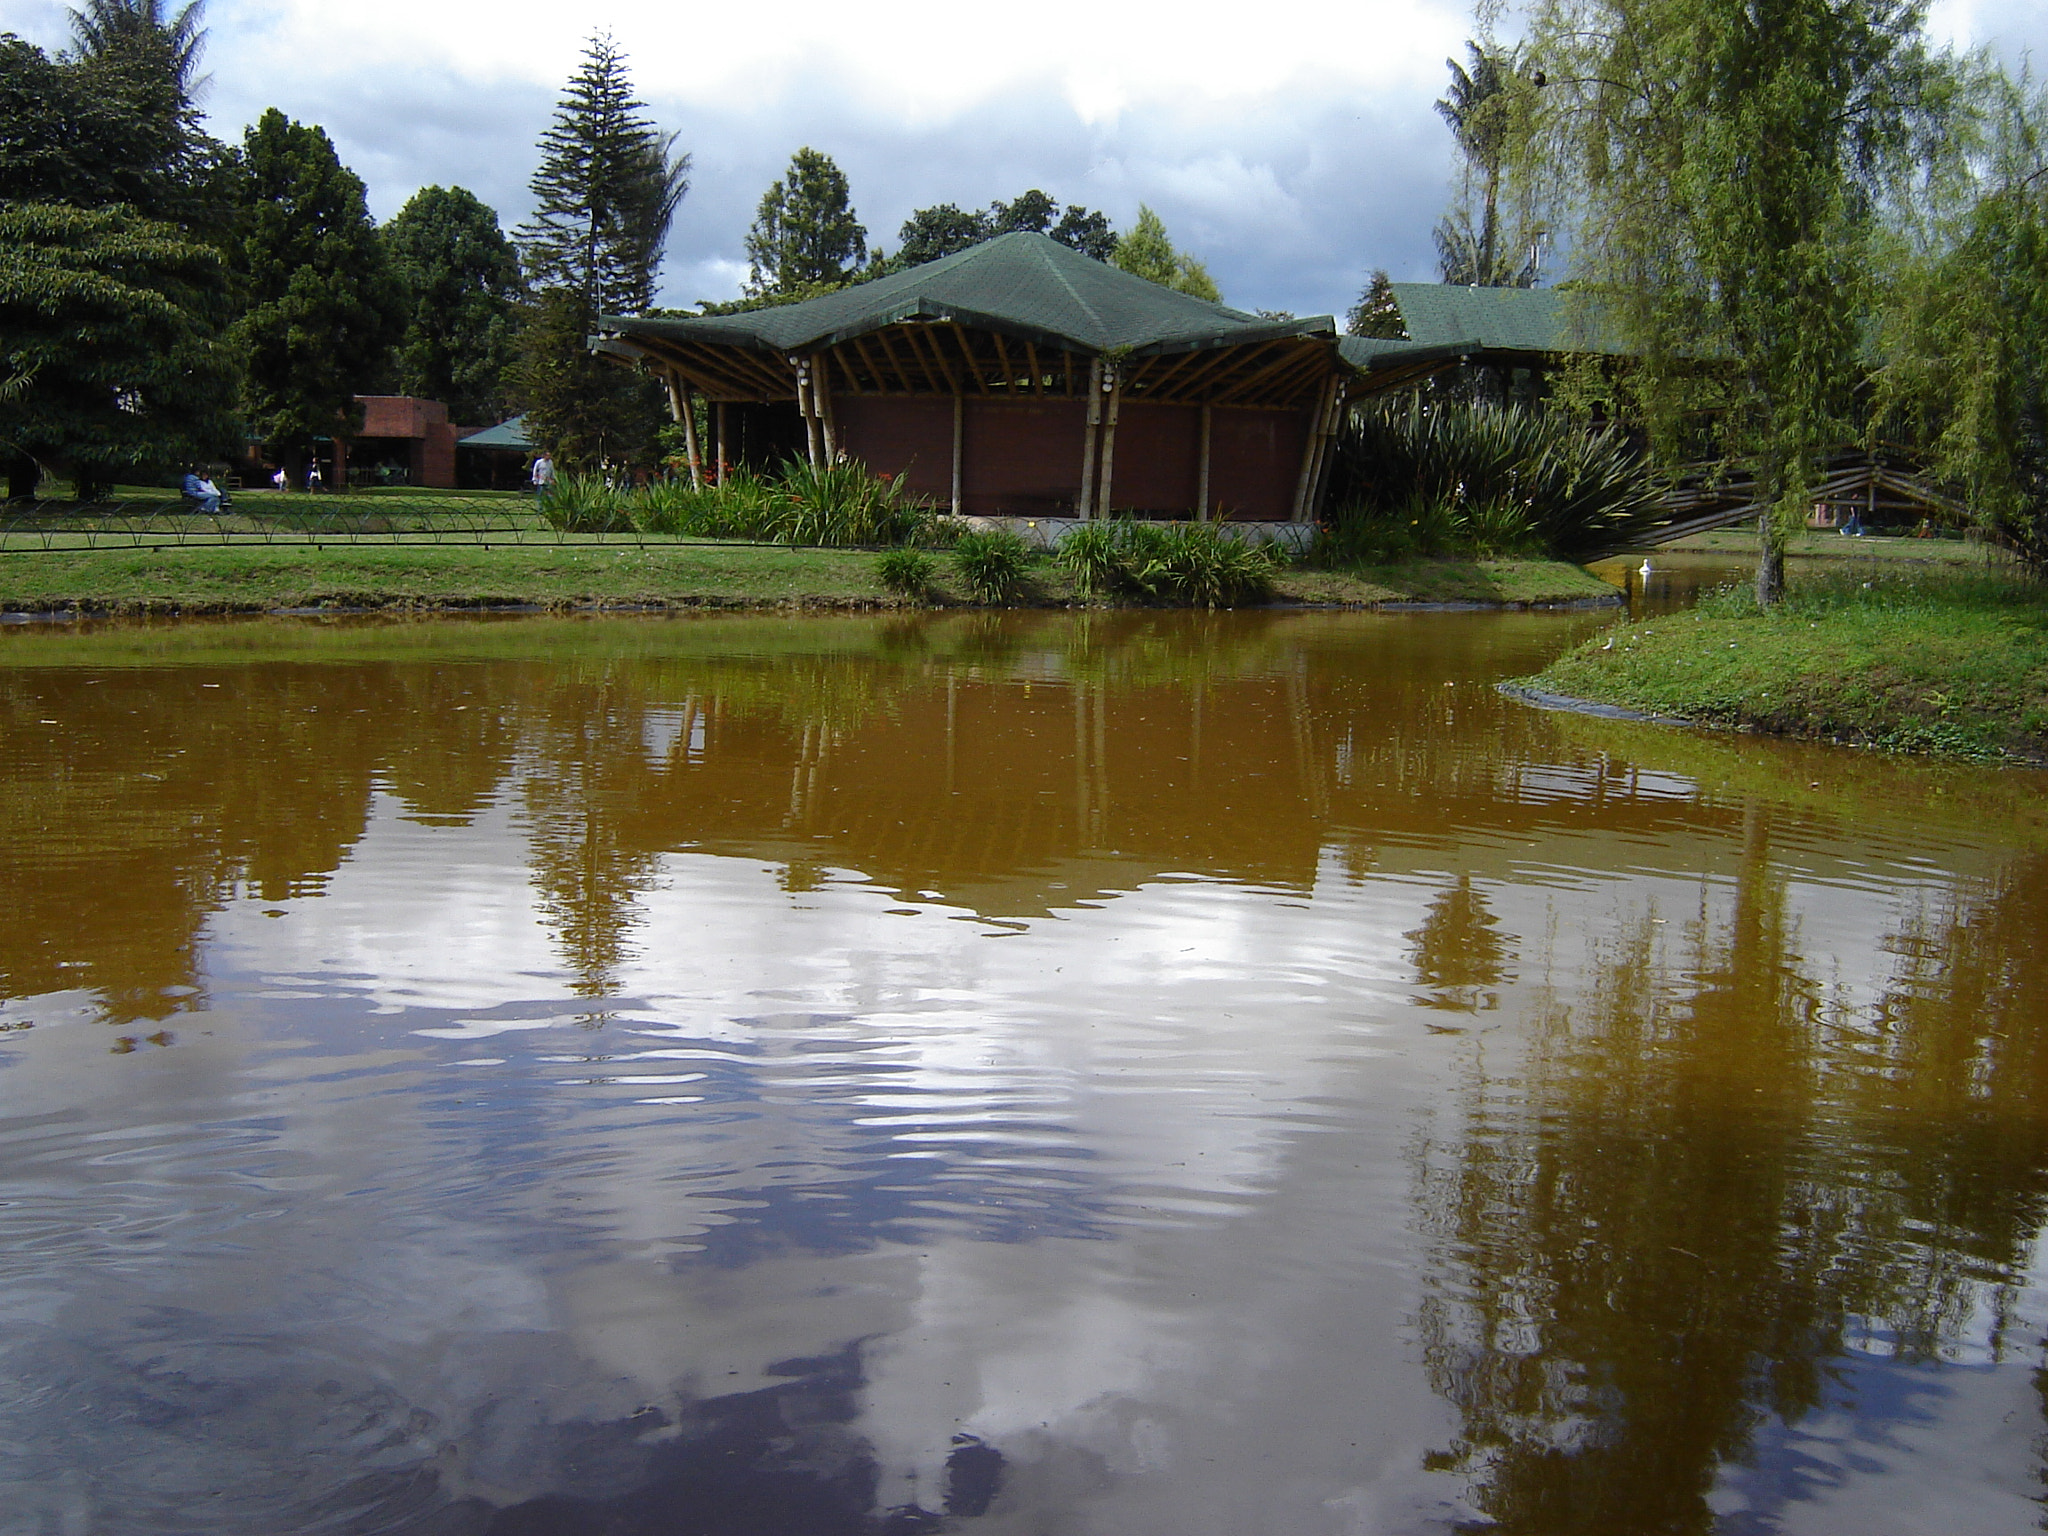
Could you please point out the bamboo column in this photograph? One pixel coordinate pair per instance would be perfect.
(690, 443)
(1202, 468)
(1085, 506)
(1332, 421)
(959, 436)
(1116, 397)
(813, 442)
(821, 402)
(720, 452)
(1311, 450)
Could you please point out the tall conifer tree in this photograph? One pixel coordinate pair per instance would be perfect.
(606, 192)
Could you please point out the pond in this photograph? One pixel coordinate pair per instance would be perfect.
(1143, 1074)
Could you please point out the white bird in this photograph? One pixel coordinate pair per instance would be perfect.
(1645, 570)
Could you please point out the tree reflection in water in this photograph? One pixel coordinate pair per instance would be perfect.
(1716, 1182)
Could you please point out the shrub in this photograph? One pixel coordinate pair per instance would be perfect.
(1421, 477)
(1199, 563)
(1092, 553)
(991, 564)
(842, 504)
(907, 571)
(586, 504)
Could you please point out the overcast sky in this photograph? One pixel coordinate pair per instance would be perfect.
(1291, 145)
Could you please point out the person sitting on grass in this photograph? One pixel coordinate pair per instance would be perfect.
(200, 491)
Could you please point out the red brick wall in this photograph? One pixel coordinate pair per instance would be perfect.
(399, 415)
(435, 458)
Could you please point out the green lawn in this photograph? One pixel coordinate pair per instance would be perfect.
(1933, 661)
(1738, 542)
(202, 578)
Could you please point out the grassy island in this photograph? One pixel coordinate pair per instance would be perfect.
(270, 576)
(1952, 662)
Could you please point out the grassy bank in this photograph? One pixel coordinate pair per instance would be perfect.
(264, 577)
(1740, 543)
(1953, 662)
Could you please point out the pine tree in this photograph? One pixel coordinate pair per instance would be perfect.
(1377, 312)
(805, 235)
(462, 284)
(1146, 252)
(606, 192)
(325, 309)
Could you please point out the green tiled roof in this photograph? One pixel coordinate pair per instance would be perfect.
(506, 434)
(1021, 284)
(1499, 319)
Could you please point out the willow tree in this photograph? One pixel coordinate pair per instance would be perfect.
(1728, 164)
(1965, 332)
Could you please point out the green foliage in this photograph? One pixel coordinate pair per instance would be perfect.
(605, 193)
(1146, 252)
(1377, 312)
(462, 285)
(991, 564)
(1723, 164)
(1093, 554)
(110, 343)
(1417, 477)
(1185, 562)
(943, 230)
(1965, 336)
(324, 307)
(906, 571)
(581, 503)
(805, 232)
(587, 413)
(836, 505)
(113, 126)
(1478, 242)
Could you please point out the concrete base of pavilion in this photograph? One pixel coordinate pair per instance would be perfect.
(1046, 532)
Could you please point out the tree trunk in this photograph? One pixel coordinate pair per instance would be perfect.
(1770, 563)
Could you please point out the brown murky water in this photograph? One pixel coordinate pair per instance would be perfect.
(1154, 1075)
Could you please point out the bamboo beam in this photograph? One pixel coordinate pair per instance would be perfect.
(922, 333)
(1037, 373)
(1085, 506)
(860, 345)
(968, 359)
(1116, 397)
(1202, 467)
(1066, 373)
(1155, 386)
(1308, 454)
(959, 436)
(1003, 359)
(1290, 358)
(902, 373)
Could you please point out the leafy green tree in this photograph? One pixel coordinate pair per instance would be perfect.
(462, 286)
(325, 309)
(1726, 161)
(1477, 242)
(945, 228)
(805, 232)
(112, 356)
(1146, 252)
(606, 192)
(1965, 334)
(1377, 313)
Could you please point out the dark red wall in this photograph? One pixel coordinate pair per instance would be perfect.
(1024, 457)
(900, 437)
(1255, 462)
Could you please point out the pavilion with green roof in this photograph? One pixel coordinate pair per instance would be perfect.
(1017, 378)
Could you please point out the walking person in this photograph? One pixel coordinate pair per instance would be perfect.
(543, 478)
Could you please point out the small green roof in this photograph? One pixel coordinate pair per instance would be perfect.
(1021, 284)
(1500, 319)
(506, 434)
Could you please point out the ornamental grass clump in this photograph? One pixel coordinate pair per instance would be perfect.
(586, 504)
(1421, 477)
(1184, 562)
(907, 572)
(991, 564)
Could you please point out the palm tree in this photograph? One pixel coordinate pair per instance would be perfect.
(104, 29)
